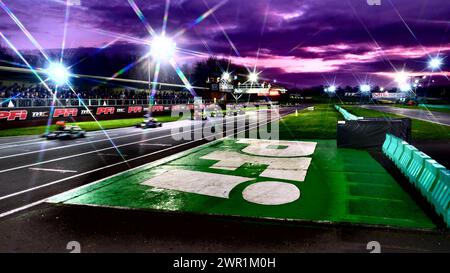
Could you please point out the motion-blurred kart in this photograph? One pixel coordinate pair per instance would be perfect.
(66, 132)
(199, 115)
(149, 123)
(235, 112)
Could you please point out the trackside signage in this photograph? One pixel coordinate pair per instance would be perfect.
(11, 118)
(35, 113)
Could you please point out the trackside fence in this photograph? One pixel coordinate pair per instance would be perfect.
(429, 177)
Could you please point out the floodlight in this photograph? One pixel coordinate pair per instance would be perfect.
(226, 76)
(57, 73)
(332, 89)
(365, 88)
(405, 87)
(253, 77)
(401, 77)
(435, 63)
(162, 48)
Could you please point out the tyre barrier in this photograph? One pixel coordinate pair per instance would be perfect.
(346, 114)
(428, 176)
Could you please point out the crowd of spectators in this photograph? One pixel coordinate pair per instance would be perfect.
(38, 95)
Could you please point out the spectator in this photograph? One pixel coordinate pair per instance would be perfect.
(37, 95)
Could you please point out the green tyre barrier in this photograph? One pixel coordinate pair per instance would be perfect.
(399, 152)
(395, 143)
(346, 114)
(429, 176)
(440, 196)
(416, 166)
(387, 143)
(406, 158)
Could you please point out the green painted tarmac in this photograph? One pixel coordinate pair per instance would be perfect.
(341, 186)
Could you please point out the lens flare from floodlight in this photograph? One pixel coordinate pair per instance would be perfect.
(162, 48)
(365, 88)
(58, 74)
(332, 89)
(226, 76)
(253, 77)
(435, 63)
(401, 77)
(405, 87)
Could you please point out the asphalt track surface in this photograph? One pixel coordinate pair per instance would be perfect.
(45, 227)
(33, 169)
(430, 116)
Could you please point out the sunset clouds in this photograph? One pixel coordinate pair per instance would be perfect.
(296, 41)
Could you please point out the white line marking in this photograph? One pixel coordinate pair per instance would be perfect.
(22, 208)
(155, 144)
(167, 125)
(112, 165)
(91, 152)
(105, 154)
(94, 170)
(36, 139)
(161, 161)
(71, 145)
(25, 142)
(86, 153)
(85, 142)
(8, 146)
(53, 170)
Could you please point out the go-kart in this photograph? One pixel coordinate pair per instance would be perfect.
(199, 115)
(66, 132)
(149, 123)
(235, 112)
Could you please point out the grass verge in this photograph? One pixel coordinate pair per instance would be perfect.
(306, 124)
(422, 130)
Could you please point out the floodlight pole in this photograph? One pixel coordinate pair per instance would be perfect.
(151, 98)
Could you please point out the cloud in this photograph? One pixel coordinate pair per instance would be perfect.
(300, 36)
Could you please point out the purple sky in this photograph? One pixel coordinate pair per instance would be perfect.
(307, 42)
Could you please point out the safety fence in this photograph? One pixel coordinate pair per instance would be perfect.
(428, 176)
(346, 114)
(36, 102)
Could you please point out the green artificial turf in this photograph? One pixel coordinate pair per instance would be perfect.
(342, 185)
